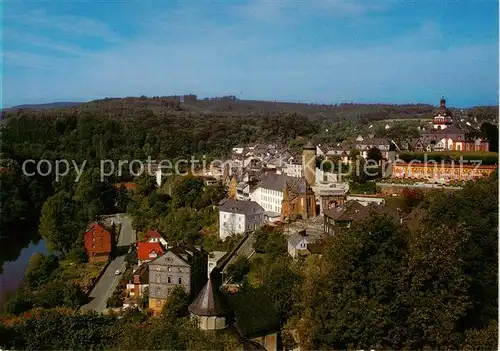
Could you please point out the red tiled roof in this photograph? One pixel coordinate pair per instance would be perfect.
(97, 239)
(152, 234)
(128, 185)
(144, 249)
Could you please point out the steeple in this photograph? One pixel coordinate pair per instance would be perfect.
(442, 102)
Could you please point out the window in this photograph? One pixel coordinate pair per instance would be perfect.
(158, 303)
(180, 280)
(180, 270)
(169, 269)
(157, 291)
(169, 280)
(158, 278)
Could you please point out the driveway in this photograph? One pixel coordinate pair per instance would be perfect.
(108, 281)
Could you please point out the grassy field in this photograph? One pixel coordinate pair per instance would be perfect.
(82, 274)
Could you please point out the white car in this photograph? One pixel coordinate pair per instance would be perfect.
(117, 272)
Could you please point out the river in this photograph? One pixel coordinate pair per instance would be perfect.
(14, 259)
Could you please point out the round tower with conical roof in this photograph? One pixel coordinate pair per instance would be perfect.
(309, 163)
(209, 307)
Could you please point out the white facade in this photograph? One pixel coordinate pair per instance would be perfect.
(162, 241)
(237, 223)
(293, 249)
(294, 170)
(269, 199)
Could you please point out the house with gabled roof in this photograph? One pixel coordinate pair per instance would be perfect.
(182, 266)
(153, 236)
(148, 251)
(98, 243)
(238, 217)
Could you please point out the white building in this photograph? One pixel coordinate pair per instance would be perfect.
(269, 192)
(238, 217)
(294, 169)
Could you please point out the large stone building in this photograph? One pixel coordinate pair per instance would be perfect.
(238, 217)
(440, 172)
(178, 266)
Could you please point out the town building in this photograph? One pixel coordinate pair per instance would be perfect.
(209, 308)
(175, 267)
(365, 144)
(299, 244)
(440, 172)
(451, 134)
(139, 282)
(98, 243)
(153, 236)
(148, 251)
(238, 217)
(339, 219)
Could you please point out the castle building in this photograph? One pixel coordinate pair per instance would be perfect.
(450, 134)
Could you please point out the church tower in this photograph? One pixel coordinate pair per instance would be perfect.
(309, 163)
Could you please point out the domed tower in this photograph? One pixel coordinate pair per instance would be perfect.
(209, 307)
(309, 163)
(442, 116)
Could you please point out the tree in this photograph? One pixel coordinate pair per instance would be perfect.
(359, 305)
(93, 196)
(188, 192)
(59, 225)
(40, 268)
(374, 154)
(490, 132)
(145, 183)
(239, 268)
(281, 284)
(182, 225)
(269, 240)
(177, 303)
(122, 199)
(482, 339)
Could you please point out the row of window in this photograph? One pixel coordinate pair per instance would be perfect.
(271, 192)
(169, 280)
(270, 199)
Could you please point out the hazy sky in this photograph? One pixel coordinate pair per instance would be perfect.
(310, 51)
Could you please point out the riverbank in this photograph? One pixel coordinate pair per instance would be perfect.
(14, 260)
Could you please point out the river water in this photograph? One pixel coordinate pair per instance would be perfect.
(14, 259)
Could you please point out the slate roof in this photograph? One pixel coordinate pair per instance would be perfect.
(241, 207)
(209, 302)
(351, 210)
(278, 181)
(309, 146)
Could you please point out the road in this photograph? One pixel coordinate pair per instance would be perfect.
(108, 281)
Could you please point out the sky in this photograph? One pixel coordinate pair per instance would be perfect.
(314, 51)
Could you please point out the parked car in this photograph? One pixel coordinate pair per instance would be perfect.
(117, 272)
